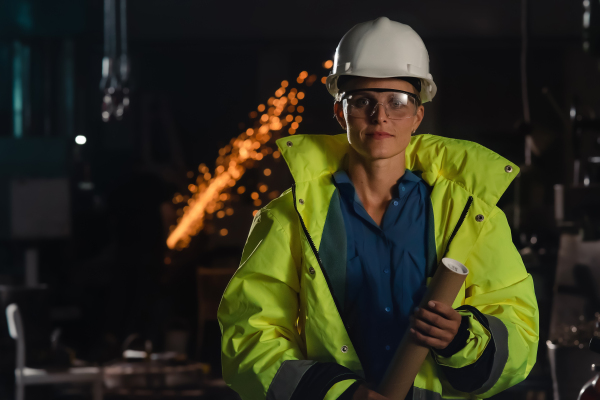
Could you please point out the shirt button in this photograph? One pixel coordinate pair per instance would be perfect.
(403, 188)
(395, 202)
(387, 309)
(387, 347)
(344, 349)
(387, 271)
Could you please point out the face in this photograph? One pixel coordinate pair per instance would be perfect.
(378, 137)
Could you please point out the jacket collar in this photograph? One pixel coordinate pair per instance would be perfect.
(483, 173)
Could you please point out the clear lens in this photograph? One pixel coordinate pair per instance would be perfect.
(397, 105)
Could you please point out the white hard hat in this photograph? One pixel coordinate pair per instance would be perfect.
(382, 48)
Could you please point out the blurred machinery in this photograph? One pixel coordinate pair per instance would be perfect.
(591, 390)
(115, 64)
(576, 303)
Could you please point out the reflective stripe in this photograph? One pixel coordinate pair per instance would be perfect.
(287, 378)
(424, 394)
(500, 337)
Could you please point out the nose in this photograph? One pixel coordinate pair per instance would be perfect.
(379, 113)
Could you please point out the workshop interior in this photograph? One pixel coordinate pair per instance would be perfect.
(137, 142)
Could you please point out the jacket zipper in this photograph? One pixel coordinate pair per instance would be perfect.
(310, 241)
(459, 223)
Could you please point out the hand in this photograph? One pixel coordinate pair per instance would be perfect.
(435, 325)
(364, 393)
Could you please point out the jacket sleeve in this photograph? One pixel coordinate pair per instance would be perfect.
(262, 351)
(503, 319)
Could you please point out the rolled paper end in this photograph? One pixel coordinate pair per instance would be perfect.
(455, 266)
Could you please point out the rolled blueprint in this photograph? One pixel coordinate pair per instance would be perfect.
(405, 365)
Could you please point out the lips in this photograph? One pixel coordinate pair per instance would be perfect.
(379, 135)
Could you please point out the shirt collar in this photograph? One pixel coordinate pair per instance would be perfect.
(345, 185)
(409, 176)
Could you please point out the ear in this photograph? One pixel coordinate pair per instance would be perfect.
(338, 111)
(418, 117)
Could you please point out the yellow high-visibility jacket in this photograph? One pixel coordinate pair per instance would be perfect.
(283, 337)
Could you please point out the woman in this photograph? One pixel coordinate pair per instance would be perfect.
(332, 269)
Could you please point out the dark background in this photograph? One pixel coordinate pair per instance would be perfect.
(198, 68)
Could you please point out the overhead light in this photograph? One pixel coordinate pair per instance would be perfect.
(80, 139)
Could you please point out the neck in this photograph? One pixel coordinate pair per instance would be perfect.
(374, 180)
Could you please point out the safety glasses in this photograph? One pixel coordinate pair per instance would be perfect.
(363, 103)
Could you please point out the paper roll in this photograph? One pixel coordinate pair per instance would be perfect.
(409, 357)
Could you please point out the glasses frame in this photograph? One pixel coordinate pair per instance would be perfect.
(379, 90)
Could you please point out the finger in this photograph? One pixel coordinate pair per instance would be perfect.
(426, 340)
(444, 310)
(434, 319)
(432, 331)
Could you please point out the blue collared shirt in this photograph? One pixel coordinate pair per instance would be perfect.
(386, 268)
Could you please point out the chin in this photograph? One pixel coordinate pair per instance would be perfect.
(378, 149)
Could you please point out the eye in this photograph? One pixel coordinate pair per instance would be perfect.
(361, 102)
(397, 102)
